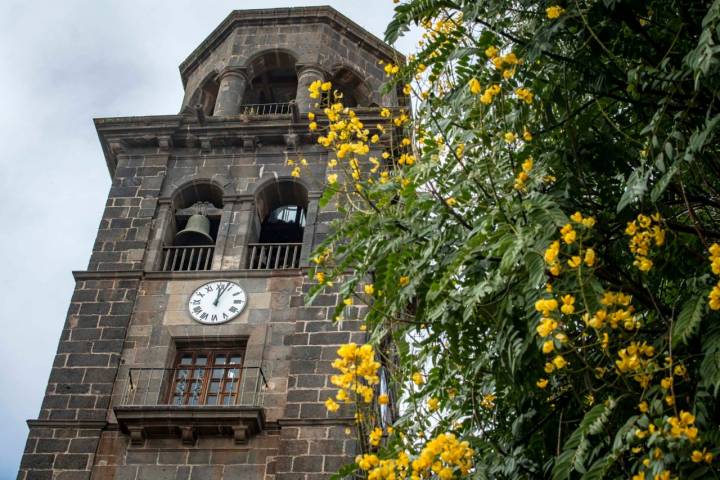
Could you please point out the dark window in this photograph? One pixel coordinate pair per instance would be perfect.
(210, 377)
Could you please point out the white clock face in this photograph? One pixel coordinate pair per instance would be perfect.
(217, 302)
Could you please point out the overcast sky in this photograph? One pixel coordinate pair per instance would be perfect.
(64, 63)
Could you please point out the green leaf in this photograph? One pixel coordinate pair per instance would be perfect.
(688, 319)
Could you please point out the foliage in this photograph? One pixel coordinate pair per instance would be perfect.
(539, 239)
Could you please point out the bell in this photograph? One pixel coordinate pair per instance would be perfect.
(196, 232)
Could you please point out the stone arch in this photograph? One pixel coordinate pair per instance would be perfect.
(197, 190)
(206, 93)
(272, 77)
(281, 206)
(355, 89)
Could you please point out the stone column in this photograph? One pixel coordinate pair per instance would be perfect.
(307, 74)
(233, 81)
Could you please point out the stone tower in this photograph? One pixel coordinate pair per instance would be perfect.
(188, 352)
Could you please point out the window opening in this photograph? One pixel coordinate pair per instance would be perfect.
(209, 377)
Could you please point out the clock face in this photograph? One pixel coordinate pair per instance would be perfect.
(217, 302)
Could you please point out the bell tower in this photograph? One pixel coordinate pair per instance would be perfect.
(188, 351)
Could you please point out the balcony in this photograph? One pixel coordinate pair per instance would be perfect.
(266, 109)
(187, 259)
(188, 403)
(273, 256)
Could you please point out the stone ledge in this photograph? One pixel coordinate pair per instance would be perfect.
(84, 424)
(310, 422)
(189, 422)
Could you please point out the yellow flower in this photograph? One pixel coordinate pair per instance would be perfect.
(696, 456)
(589, 257)
(475, 86)
(714, 297)
(295, 172)
(643, 407)
(331, 405)
(369, 289)
(311, 116)
(527, 136)
(525, 95)
(320, 277)
(574, 261)
(332, 178)
(383, 399)
(554, 12)
(568, 306)
(375, 436)
(404, 281)
(509, 137)
(542, 383)
(546, 305)
(407, 89)
(326, 86)
(559, 362)
(433, 404)
(418, 378)
(313, 126)
(491, 51)
(546, 327)
(527, 165)
(548, 346)
(568, 234)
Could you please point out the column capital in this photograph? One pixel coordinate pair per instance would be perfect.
(241, 72)
(309, 68)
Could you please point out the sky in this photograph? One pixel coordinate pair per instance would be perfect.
(65, 63)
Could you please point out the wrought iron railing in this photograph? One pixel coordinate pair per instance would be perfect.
(261, 109)
(273, 256)
(187, 259)
(194, 386)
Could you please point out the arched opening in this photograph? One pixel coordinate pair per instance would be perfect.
(189, 241)
(273, 79)
(351, 86)
(206, 95)
(278, 226)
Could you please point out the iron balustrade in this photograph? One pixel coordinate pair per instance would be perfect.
(262, 109)
(273, 256)
(212, 385)
(187, 259)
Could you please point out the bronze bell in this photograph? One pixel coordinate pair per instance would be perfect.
(196, 232)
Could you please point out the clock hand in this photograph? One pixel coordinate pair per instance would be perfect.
(221, 290)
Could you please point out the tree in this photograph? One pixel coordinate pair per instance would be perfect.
(540, 239)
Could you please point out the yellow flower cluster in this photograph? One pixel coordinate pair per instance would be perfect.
(350, 140)
(317, 87)
(358, 373)
(444, 456)
(714, 297)
(524, 175)
(643, 232)
(618, 311)
(569, 235)
(490, 93)
(636, 359)
(683, 426)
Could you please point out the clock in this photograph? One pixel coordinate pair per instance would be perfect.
(217, 302)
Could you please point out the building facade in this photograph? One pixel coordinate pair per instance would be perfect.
(188, 351)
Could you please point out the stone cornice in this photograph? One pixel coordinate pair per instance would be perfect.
(205, 274)
(161, 134)
(288, 16)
